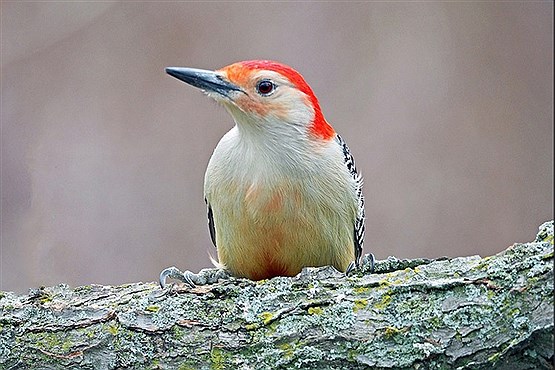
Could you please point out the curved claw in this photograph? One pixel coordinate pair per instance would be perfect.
(368, 259)
(371, 261)
(205, 276)
(174, 273)
(351, 267)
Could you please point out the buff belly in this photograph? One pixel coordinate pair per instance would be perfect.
(262, 232)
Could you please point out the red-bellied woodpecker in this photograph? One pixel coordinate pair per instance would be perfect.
(281, 186)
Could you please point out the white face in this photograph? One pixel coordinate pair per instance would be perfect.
(267, 97)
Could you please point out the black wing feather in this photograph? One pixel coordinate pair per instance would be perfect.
(211, 224)
(358, 227)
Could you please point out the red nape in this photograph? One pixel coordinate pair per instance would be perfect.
(320, 127)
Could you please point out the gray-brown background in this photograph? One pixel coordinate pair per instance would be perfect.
(447, 107)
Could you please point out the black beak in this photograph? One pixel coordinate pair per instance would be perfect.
(206, 80)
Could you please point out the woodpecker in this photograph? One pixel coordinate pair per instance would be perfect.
(281, 187)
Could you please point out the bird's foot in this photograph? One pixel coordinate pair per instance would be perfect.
(205, 276)
(370, 261)
(367, 260)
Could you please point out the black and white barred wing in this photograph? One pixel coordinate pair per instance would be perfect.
(358, 230)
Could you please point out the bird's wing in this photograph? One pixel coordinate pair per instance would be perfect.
(358, 229)
(211, 223)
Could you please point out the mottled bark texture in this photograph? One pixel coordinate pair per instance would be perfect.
(467, 313)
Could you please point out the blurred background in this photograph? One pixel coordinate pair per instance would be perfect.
(447, 108)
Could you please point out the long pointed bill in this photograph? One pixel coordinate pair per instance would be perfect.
(206, 80)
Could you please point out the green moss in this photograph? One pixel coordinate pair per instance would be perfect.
(113, 329)
(391, 331)
(152, 308)
(273, 327)
(178, 333)
(396, 334)
(386, 300)
(288, 350)
(53, 342)
(45, 298)
(218, 359)
(66, 346)
(360, 304)
(436, 321)
(154, 365)
(252, 326)
(352, 354)
(483, 264)
(48, 340)
(266, 317)
(315, 310)
(384, 282)
(361, 290)
(514, 312)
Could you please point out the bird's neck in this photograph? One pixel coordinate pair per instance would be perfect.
(300, 131)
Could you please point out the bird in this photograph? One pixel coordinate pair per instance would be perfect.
(281, 187)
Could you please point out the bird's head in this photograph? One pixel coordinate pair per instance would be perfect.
(263, 94)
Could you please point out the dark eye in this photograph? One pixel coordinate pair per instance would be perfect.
(265, 87)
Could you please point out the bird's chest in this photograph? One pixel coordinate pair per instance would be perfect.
(256, 197)
(250, 182)
(272, 212)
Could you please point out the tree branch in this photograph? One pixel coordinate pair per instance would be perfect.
(467, 313)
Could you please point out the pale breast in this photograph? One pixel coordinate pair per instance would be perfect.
(273, 221)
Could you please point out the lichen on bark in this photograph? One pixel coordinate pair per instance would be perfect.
(467, 312)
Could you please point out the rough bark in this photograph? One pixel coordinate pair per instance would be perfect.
(467, 313)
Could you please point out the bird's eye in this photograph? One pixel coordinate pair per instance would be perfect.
(265, 87)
